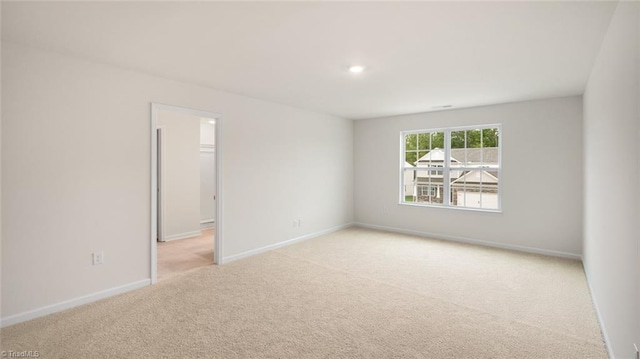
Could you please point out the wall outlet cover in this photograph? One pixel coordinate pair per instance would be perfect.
(97, 258)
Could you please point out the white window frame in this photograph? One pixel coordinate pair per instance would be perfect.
(446, 183)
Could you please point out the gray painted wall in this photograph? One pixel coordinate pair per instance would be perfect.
(76, 161)
(541, 176)
(612, 178)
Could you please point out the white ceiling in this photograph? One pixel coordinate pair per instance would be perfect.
(418, 55)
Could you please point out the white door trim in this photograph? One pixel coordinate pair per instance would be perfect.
(160, 135)
(218, 247)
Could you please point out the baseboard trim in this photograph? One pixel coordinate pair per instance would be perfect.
(284, 243)
(207, 226)
(603, 330)
(207, 223)
(71, 303)
(184, 235)
(470, 241)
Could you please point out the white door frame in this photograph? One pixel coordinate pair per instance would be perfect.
(218, 247)
(160, 136)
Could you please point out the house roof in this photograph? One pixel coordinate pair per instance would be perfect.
(435, 155)
(484, 155)
(487, 155)
(476, 177)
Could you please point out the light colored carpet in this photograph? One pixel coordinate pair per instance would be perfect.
(351, 294)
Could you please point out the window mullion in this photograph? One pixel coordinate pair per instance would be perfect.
(403, 159)
(446, 168)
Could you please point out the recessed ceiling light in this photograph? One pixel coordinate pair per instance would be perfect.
(356, 69)
(213, 122)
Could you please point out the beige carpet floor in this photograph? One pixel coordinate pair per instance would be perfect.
(356, 293)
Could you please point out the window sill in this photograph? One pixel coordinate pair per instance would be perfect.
(455, 208)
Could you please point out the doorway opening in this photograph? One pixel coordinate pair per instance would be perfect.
(185, 197)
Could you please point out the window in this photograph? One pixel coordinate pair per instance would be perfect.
(429, 191)
(452, 167)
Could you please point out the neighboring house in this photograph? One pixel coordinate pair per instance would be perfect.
(478, 188)
(409, 178)
(467, 189)
(428, 183)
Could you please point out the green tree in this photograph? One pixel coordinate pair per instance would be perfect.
(458, 139)
(490, 137)
(410, 142)
(487, 137)
(437, 139)
(419, 144)
(410, 145)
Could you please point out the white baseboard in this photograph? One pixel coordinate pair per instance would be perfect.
(284, 243)
(184, 235)
(208, 223)
(67, 304)
(471, 241)
(605, 336)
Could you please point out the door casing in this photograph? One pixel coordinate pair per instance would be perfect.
(219, 236)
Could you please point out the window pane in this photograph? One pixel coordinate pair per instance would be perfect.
(458, 148)
(428, 187)
(410, 157)
(490, 153)
(410, 142)
(489, 197)
(424, 141)
(422, 159)
(475, 189)
(409, 184)
(459, 188)
(430, 193)
(489, 159)
(490, 137)
(458, 139)
(474, 139)
(455, 172)
(458, 195)
(437, 140)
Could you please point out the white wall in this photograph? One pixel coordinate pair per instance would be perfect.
(541, 176)
(612, 179)
(76, 173)
(180, 191)
(207, 173)
(207, 187)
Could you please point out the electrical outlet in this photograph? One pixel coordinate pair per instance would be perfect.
(295, 223)
(98, 258)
